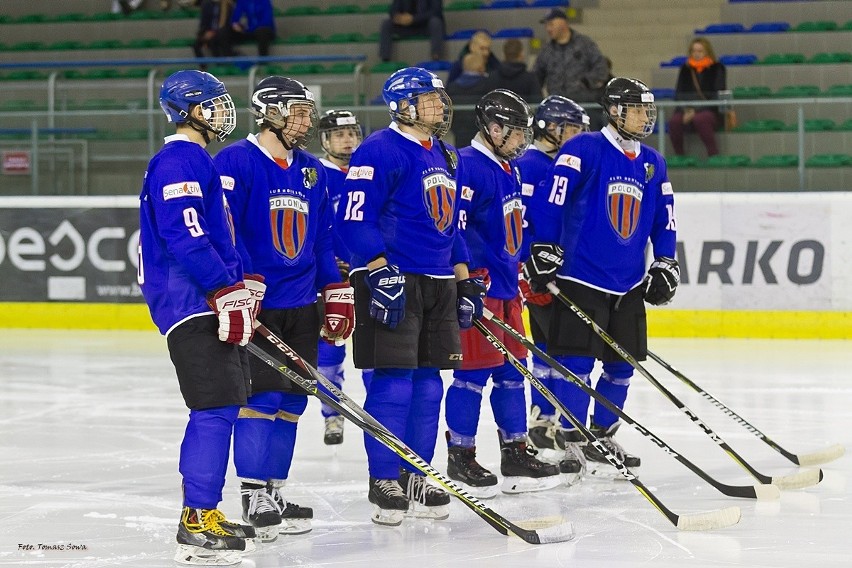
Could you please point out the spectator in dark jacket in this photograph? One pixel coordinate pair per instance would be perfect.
(410, 18)
(467, 89)
(512, 74)
(479, 43)
(700, 78)
(251, 20)
(215, 16)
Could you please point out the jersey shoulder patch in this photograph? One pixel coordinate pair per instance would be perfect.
(228, 182)
(666, 188)
(360, 172)
(570, 161)
(182, 189)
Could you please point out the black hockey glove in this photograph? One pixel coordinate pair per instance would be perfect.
(541, 267)
(387, 288)
(471, 293)
(661, 282)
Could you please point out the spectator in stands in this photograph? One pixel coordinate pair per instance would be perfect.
(480, 43)
(467, 89)
(411, 18)
(700, 78)
(512, 73)
(251, 20)
(125, 6)
(571, 64)
(215, 16)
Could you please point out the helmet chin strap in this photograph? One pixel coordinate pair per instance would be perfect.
(279, 133)
(201, 127)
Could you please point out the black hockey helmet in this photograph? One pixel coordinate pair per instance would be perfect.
(624, 93)
(333, 120)
(272, 102)
(510, 112)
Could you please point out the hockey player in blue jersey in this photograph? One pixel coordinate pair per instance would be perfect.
(491, 219)
(557, 120)
(192, 279)
(340, 134)
(398, 215)
(282, 218)
(615, 196)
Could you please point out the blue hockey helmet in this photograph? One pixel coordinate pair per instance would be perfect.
(560, 112)
(406, 94)
(272, 104)
(625, 93)
(183, 90)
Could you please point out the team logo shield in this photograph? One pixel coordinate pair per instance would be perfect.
(288, 219)
(513, 224)
(624, 203)
(439, 197)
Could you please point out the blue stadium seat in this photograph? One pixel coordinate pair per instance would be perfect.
(435, 65)
(513, 33)
(769, 27)
(663, 94)
(549, 4)
(738, 59)
(722, 29)
(674, 61)
(503, 4)
(463, 34)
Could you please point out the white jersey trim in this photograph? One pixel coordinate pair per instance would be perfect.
(613, 139)
(253, 139)
(607, 290)
(187, 318)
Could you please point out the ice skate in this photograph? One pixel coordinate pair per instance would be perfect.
(333, 430)
(295, 519)
(597, 463)
(425, 500)
(522, 471)
(259, 511)
(463, 467)
(390, 500)
(572, 464)
(543, 434)
(204, 541)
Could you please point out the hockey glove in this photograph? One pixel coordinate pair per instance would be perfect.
(234, 306)
(530, 297)
(254, 284)
(471, 294)
(541, 267)
(339, 300)
(661, 281)
(387, 290)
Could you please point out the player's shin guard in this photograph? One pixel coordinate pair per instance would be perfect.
(613, 385)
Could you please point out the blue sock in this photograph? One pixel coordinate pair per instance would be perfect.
(204, 455)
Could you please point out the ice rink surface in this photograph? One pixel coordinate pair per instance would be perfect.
(91, 423)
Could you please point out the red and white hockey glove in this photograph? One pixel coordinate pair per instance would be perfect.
(534, 298)
(339, 300)
(254, 284)
(233, 305)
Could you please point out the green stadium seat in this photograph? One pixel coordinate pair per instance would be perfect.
(761, 126)
(32, 19)
(342, 68)
(144, 43)
(65, 45)
(98, 74)
(816, 26)
(99, 104)
(27, 46)
(302, 11)
(25, 75)
(303, 38)
(460, 5)
(305, 69)
(381, 8)
(372, 38)
(4, 19)
(388, 66)
(734, 161)
(846, 125)
(71, 17)
(837, 57)
(819, 124)
(105, 17)
(777, 161)
(343, 9)
(839, 91)
(846, 27)
(346, 37)
(797, 91)
(179, 42)
(21, 105)
(829, 161)
(783, 59)
(758, 92)
(105, 44)
(135, 73)
(674, 162)
(71, 74)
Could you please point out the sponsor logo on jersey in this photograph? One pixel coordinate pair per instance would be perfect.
(527, 189)
(623, 204)
(666, 188)
(649, 172)
(360, 172)
(439, 197)
(288, 219)
(569, 161)
(182, 189)
(467, 193)
(513, 224)
(228, 182)
(310, 175)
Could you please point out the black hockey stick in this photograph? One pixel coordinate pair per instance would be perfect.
(349, 409)
(759, 492)
(709, 520)
(826, 455)
(806, 478)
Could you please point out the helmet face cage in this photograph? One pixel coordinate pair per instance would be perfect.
(409, 96)
(636, 113)
(339, 121)
(184, 90)
(277, 102)
(220, 114)
(512, 114)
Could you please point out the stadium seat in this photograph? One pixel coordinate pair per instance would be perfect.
(303, 38)
(27, 46)
(722, 29)
(836, 57)
(674, 162)
(305, 69)
(143, 43)
(135, 73)
(783, 59)
(381, 8)
(302, 11)
(777, 161)
(674, 61)
(819, 124)
(179, 42)
(461, 5)
(388, 66)
(839, 91)
(769, 27)
(846, 125)
(32, 19)
(797, 91)
(829, 161)
(816, 26)
(463, 34)
(505, 4)
(104, 44)
(846, 27)
(341, 68)
(343, 9)
(734, 161)
(435, 65)
(345, 37)
(761, 126)
(549, 4)
(663, 94)
(507, 33)
(65, 45)
(738, 59)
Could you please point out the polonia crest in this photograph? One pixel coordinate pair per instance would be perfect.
(439, 198)
(513, 225)
(623, 206)
(288, 219)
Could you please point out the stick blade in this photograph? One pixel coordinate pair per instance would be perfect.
(830, 453)
(546, 531)
(767, 492)
(806, 478)
(710, 520)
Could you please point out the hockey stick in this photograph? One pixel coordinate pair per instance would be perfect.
(361, 418)
(799, 480)
(759, 492)
(709, 520)
(828, 454)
